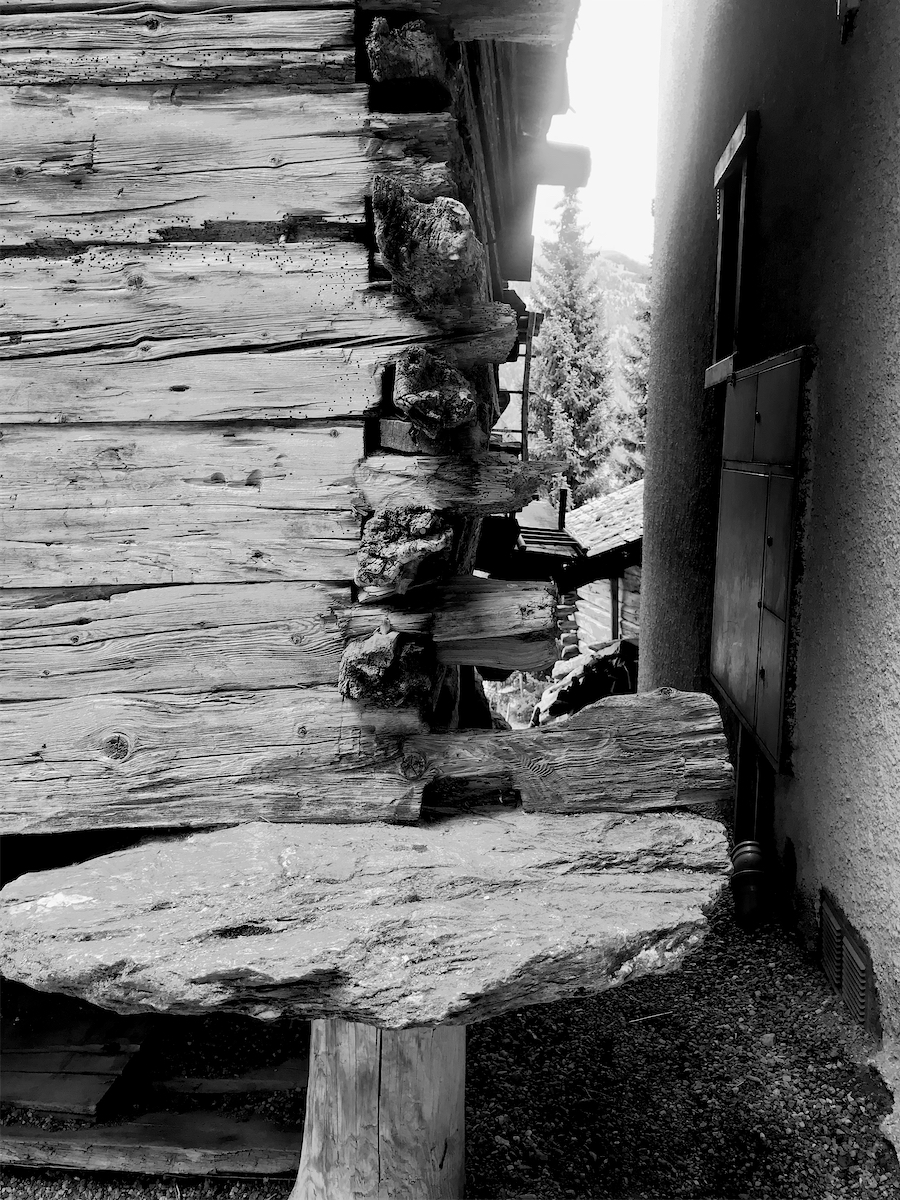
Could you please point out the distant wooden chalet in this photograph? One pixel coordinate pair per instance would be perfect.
(253, 261)
(609, 531)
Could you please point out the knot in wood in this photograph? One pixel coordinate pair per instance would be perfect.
(413, 764)
(117, 746)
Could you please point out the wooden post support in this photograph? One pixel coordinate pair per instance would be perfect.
(385, 1114)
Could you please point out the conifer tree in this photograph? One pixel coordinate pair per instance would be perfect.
(570, 381)
(627, 446)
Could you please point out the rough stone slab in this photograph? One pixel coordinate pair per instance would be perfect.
(455, 921)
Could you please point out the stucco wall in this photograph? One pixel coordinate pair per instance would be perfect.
(823, 266)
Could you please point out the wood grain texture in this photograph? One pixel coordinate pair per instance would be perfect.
(198, 638)
(324, 382)
(283, 468)
(531, 21)
(198, 1143)
(397, 1098)
(166, 759)
(473, 622)
(141, 6)
(114, 306)
(81, 547)
(127, 504)
(125, 163)
(400, 927)
(492, 484)
(306, 45)
(626, 754)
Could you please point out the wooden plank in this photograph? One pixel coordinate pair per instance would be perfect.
(627, 754)
(494, 483)
(231, 466)
(324, 382)
(131, 504)
(193, 638)
(140, 6)
(125, 163)
(531, 21)
(288, 1076)
(160, 1144)
(78, 1095)
(719, 372)
(127, 305)
(303, 45)
(734, 153)
(474, 622)
(106, 1033)
(161, 759)
(190, 543)
(58, 1062)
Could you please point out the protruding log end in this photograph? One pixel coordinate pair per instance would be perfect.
(432, 393)
(400, 545)
(387, 670)
(430, 249)
(410, 52)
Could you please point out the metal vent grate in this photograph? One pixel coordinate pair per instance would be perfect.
(832, 940)
(854, 982)
(848, 966)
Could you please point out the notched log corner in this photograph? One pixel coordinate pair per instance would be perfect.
(388, 669)
(432, 394)
(430, 249)
(411, 52)
(399, 546)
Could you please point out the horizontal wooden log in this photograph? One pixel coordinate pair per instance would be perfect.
(151, 504)
(323, 382)
(141, 6)
(166, 759)
(79, 547)
(198, 639)
(306, 45)
(197, 1143)
(298, 755)
(499, 623)
(125, 465)
(492, 484)
(531, 21)
(124, 305)
(127, 163)
(657, 750)
(452, 922)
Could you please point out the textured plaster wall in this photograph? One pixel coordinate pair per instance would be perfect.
(823, 266)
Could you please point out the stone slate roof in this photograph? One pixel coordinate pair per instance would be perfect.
(610, 522)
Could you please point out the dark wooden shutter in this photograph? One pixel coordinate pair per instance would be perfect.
(755, 546)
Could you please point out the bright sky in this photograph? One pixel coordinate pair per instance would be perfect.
(613, 67)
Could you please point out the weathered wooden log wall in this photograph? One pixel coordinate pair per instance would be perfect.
(199, 343)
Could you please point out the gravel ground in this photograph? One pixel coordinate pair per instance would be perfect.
(739, 1076)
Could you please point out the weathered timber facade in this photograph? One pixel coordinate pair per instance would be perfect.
(197, 350)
